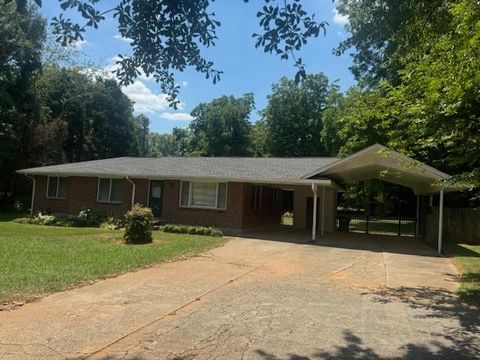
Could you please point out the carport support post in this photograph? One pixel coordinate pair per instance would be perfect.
(323, 210)
(440, 222)
(314, 222)
(418, 216)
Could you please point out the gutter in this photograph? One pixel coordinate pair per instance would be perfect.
(133, 190)
(33, 192)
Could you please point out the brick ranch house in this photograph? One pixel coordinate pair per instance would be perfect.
(235, 194)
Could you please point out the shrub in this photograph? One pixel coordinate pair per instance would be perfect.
(192, 230)
(138, 225)
(112, 223)
(91, 217)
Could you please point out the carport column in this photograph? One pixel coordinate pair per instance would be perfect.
(418, 216)
(440, 222)
(314, 222)
(323, 210)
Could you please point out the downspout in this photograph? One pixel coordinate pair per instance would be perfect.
(133, 190)
(33, 192)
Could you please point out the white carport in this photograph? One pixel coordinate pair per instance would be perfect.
(379, 162)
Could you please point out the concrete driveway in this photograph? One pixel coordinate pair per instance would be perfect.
(347, 297)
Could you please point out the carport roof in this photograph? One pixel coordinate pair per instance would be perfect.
(379, 162)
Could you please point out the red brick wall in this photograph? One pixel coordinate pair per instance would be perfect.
(266, 215)
(231, 218)
(82, 193)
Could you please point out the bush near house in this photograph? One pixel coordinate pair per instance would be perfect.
(85, 218)
(192, 230)
(138, 225)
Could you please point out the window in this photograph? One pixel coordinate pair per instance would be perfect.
(110, 190)
(57, 187)
(257, 197)
(203, 195)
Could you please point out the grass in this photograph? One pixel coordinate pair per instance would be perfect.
(36, 260)
(382, 226)
(467, 260)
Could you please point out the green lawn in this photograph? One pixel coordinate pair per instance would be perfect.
(467, 260)
(36, 260)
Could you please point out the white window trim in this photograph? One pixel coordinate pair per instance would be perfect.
(109, 192)
(56, 192)
(190, 187)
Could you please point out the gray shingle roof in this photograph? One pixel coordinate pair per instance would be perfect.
(234, 168)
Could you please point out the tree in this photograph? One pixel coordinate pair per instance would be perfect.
(21, 40)
(222, 127)
(167, 36)
(258, 139)
(140, 146)
(294, 116)
(423, 82)
(99, 117)
(385, 33)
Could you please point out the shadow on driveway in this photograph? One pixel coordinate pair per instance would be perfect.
(464, 341)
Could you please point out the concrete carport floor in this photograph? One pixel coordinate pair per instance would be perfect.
(347, 297)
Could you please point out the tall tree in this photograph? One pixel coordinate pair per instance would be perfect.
(21, 38)
(221, 127)
(141, 132)
(294, 116)
(99, 117)
(424, 84)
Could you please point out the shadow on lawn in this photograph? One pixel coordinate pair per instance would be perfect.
(460, 342)
(6, 216)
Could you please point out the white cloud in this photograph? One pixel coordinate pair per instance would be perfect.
(79, 44)
(184, 83)
(339, 19)
(179, 116)
(146, 101)
(121, 38)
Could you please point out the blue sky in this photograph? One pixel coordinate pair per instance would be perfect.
(245, 68)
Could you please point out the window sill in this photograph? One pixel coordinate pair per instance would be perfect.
(201, 208)
(109, 202)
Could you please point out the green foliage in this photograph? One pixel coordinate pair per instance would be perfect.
(86, 217)
(192, 230)
(294, 116)
(91, 217)
(221, 127)
(140, 136)
(98, 116)
(22, 34)
(424, 84)
(138, 225)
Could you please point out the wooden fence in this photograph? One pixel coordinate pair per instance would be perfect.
(460, 225)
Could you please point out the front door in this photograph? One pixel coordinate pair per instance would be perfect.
(155, 199)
